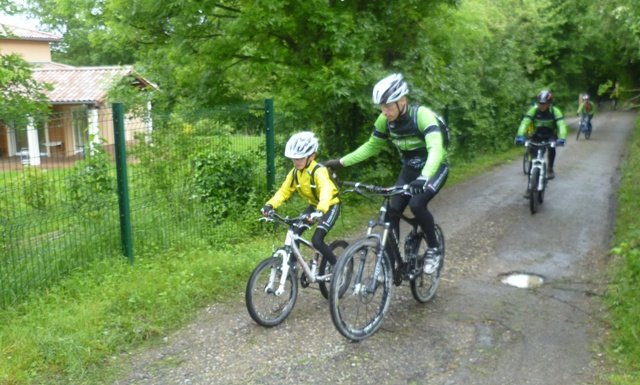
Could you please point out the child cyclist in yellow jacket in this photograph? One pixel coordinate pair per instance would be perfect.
(312, 181)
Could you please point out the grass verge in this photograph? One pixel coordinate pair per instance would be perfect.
(623, 297)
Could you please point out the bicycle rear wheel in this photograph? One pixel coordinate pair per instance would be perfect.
(357, 312)
(534, 197)
(424, 286)
(338, 247)
(264, 306)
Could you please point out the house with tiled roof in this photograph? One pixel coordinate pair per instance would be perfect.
(78, 99)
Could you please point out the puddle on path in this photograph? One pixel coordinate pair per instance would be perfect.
(522, 280)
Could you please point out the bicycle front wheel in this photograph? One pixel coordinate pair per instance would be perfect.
(360, 296)
(534, 197)
(424, 286)
(265, 305)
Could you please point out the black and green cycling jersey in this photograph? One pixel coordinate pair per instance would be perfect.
(549, 122)
(427, 140)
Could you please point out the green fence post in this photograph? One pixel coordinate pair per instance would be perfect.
(271, 144)
(123, 187)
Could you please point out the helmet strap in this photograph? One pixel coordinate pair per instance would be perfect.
(403, 110)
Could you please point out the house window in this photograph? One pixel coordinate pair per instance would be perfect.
(22, 141)
(80, 129)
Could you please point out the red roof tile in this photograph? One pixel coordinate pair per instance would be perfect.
(82, 85)
(19, 33)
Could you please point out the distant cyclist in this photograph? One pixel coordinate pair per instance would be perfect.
(416, 132)
(548, 124)
(586, 109)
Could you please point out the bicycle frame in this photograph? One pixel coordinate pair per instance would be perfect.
(291, 247)
(583, 123)
(387, 233)
(538, 162)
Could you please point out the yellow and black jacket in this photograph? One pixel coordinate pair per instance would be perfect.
(313, 183)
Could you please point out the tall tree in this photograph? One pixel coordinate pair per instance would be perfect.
(87, 37)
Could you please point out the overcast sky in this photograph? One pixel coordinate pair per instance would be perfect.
(18, 21)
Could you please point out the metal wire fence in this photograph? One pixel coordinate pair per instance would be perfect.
(61, 199)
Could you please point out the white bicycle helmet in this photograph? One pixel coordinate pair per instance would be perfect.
(390, 89)
(545, 96)
(301, 145)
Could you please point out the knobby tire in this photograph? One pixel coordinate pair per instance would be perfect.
(578, 133)
(263, 305)
(534, 196)
(357, 312)
(424, 286)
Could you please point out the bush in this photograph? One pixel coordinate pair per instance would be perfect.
(223, 182)
(91, 185)
(37, 188)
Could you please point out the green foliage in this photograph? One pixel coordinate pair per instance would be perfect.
(21, 97)
(37, 188)
(223, 182)
(91, 184)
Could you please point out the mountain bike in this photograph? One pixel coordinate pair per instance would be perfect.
(272, 289)
(362, 278)
(537, 181)
(584, 127)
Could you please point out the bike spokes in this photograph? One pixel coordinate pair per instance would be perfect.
(357, 312)
(424, 286)
(265, 303)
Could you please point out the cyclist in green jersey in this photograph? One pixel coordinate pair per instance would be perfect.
(416, 132)
(548, 124)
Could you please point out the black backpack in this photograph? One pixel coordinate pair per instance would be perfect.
(444, 129)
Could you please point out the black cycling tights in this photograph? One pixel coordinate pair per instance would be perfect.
(325, 224)
(317, 240)
(417, 203)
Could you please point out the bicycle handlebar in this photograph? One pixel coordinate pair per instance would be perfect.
(544, 143)
(380, 190)
(273, 215)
